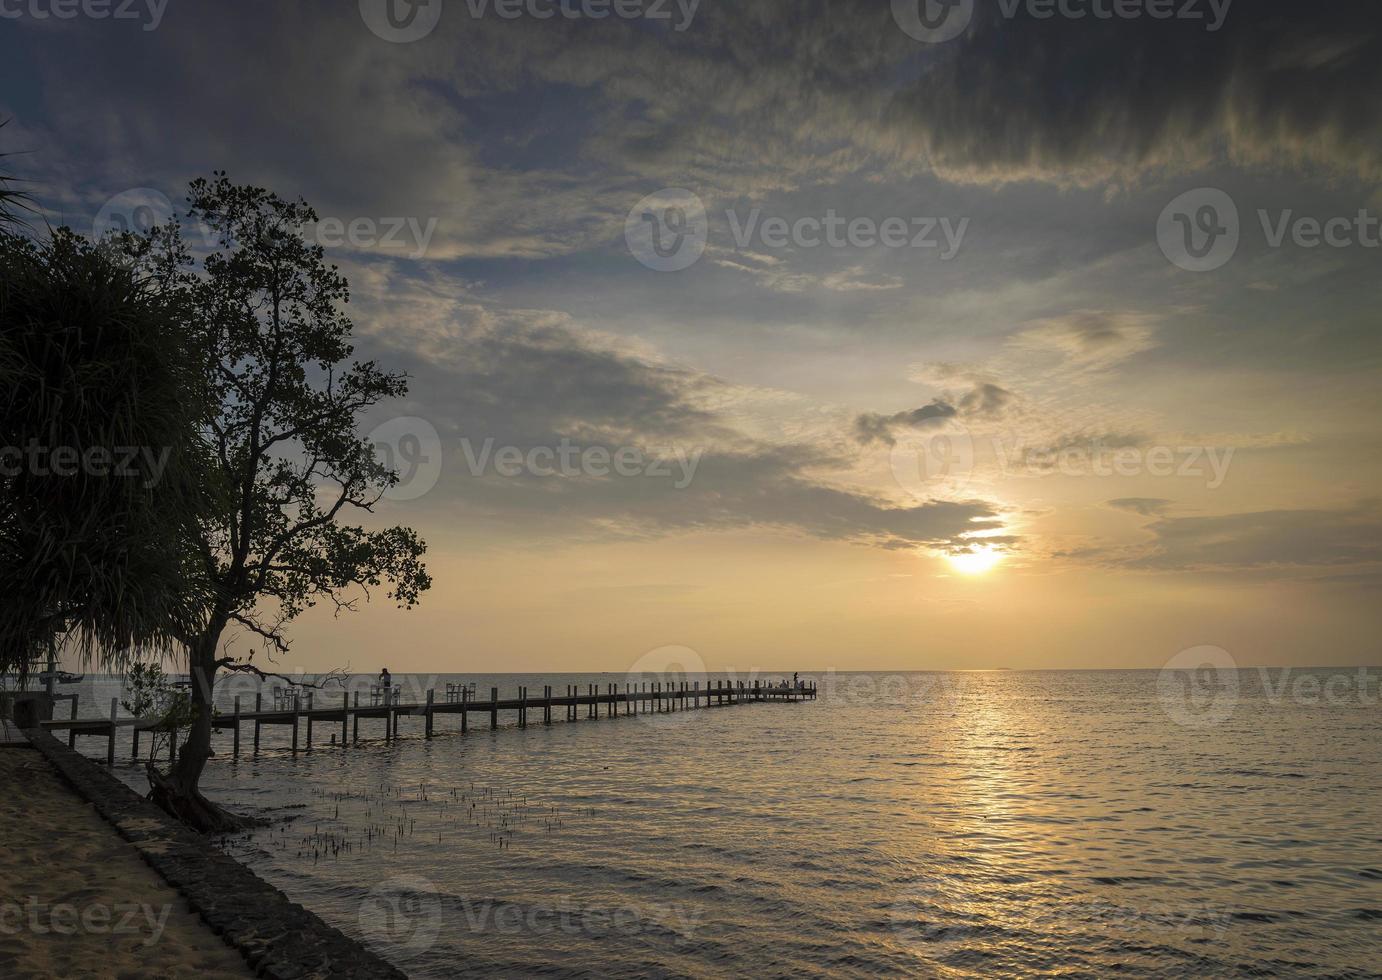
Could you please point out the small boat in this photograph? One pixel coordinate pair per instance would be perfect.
(61, 677)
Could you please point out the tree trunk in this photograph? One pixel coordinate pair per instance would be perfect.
(177, 792)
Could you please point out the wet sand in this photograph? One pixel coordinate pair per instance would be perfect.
(76, 900)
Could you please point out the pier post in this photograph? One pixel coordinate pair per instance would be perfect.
(72, 732)
(234, 752)
(355, 729)
(345, 718)
(522, 706)
(134, 744)
(547, 707)
(258, 706)
(110, 745)
(465, 710)
(595, 702)
(427, 727)
(311, 699)
(296, 716)
(493, 708)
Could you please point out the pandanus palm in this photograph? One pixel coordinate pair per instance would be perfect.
(101, 476)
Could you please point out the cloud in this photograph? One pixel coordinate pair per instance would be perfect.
(1261, 539)
(872, 427)
(533, 378)
(986, 400)
(1090, 340)
(1094, 101)
(1146, 506)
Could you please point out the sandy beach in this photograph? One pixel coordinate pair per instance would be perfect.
(76, 900)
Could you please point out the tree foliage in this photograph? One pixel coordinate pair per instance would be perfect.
(151, 696)
(265, 311)
(102, 469)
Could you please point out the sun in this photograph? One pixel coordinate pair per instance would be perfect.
(976, 561)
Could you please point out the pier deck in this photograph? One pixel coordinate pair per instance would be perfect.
(347, 711)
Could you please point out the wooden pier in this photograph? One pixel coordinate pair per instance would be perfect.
(345, 713)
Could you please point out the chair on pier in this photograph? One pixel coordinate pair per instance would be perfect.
(285, 699)
(460, 692)
(375, 693)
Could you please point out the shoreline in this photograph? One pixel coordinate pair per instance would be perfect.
(217, 905)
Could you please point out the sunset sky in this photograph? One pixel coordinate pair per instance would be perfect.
(1020, 433)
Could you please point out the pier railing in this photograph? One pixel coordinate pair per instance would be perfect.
(649, 697)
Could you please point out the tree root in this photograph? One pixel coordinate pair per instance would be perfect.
(193, 809)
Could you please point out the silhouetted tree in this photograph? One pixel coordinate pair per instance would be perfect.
(265, 310)
(101, 478)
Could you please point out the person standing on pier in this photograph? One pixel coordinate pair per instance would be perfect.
(385, 686)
